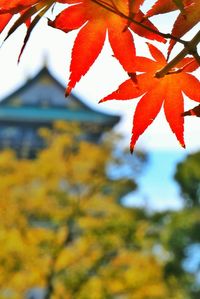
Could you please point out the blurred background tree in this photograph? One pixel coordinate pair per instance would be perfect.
(179, 231)
(188, 178)
(64, 233)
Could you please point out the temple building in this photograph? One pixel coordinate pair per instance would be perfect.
(39, 103)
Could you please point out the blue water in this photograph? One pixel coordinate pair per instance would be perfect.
(157, 188)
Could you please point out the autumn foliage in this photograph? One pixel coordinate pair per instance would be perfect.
(64, 232)
(163, 81)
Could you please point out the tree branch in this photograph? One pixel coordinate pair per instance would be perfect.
(190, 48)
(114, 10)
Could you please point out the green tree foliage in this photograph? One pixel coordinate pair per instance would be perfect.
(63, 230)
(179, 231)
(188, 177)
(179, 245)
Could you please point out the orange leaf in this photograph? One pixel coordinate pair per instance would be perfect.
(145, 113)
(139, 17)
(85, 51)
(88, 43)
(65, 23)
(155, 92)
(26, 9)
(185, 21)
(165, 6)
(15, 6)
(4, 20)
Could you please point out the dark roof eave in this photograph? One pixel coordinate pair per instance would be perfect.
(51, 115)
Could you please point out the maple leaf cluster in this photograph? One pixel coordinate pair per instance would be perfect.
(158, 81)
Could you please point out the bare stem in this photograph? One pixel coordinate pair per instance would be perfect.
(197, 57)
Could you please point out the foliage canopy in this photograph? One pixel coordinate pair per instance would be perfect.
(188, 176)
(64, 231)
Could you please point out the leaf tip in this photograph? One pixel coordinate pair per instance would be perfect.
(107, 98)
(131, 150)
(132, 144)
(183, 145)
(68, 91)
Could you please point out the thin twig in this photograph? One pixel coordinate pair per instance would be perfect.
(189, 47)
(130, 19)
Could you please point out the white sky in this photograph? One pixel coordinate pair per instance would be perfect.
(104, 77)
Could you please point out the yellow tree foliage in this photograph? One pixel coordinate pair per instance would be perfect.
(62, 229)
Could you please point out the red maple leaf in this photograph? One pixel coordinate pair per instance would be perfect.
(166, 91)
(9, 8)
(165, 6)
(186, 20)
(95, 21)
(4, 20)
(15, 6)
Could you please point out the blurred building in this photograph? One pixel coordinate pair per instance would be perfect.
(39, 103)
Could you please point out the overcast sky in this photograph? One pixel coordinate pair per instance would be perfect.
(54, 47)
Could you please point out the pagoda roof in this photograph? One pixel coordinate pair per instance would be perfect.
(41, 99)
